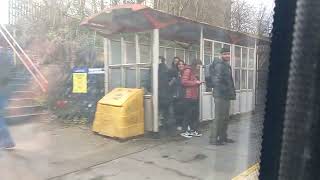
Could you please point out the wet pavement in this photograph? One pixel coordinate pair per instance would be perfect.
(50, 150)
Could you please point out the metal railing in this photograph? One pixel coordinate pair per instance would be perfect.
(25, 59)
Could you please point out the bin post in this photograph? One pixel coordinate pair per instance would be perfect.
(155, 66)
(106, 51)
(255, 75)
(201, 88)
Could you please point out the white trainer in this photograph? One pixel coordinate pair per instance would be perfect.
(186, 135)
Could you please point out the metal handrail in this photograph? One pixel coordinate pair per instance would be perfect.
(23, 52)
(43, 88)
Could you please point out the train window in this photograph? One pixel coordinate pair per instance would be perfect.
(182, 127)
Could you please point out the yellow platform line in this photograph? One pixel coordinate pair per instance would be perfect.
(253, 170)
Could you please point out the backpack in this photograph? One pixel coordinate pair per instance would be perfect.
(207, 74)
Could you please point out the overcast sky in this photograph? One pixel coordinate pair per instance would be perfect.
(4, 11)
(268, 3)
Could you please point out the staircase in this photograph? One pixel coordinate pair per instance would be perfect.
(24, 100)
(27, 85)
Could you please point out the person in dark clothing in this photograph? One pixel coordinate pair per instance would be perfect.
(174, 72)
(223, 91)
(191, 84)
(175, 88)
(178, 95)
(6, 141)
(163, 90)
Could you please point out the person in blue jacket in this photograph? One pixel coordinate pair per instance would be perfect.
(6, 141)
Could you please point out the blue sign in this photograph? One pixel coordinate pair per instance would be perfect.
(80, 70)
(96, 71)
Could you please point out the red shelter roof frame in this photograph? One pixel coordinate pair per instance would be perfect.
(133, 18)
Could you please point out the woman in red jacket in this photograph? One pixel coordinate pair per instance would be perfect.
(190, 82)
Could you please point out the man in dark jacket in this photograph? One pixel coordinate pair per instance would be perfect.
(223, 91)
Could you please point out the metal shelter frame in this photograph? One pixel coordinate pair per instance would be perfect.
(136, 18)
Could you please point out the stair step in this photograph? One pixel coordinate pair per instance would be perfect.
(14, 102)
(19, 75)
(22, 107)
(23, 94)
(21, 99)
(21, 110)
(22, 86)
(20, 80)
(20, 119)
(26, 115)
(18, 84)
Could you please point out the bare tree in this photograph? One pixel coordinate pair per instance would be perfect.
(209, 11)
(241, 16)
(248, 19)
(264, 19)
(102, 5)
(82, 7)
(94, 6)
(181, 6)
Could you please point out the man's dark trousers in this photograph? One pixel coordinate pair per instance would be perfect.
(219, 126)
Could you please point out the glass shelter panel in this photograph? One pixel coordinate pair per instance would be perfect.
(251, 58)
(115, 52)
(130, 53)
(146, 80)
(237, 56)
(169, 56)
(115, 78)
(180, 53)
(145, 54)
(243, 79)
(217, 49)
(130, 81)
(250, 79)
(244, 59)
(237, 79)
